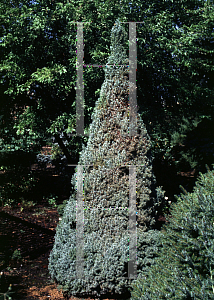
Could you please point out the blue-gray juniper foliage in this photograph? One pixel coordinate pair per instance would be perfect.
(184, 267)
(106, 159)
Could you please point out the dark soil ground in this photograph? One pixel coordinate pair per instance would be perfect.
(31, 230)
(32, 233)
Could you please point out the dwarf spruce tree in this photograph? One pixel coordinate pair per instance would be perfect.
(105, 165)
(184, 267)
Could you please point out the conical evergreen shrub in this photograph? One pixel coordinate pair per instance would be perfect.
(106, 160)
(184, 267)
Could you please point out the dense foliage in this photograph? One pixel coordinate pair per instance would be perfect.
(184, 266)
(106, 160)
(16, 178)
(174, 73)
(175, 79)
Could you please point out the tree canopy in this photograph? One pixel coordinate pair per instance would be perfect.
(174, 72)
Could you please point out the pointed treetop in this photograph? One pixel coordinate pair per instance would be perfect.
(118, 38)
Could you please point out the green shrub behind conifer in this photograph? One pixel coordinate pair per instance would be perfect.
(184, 267)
